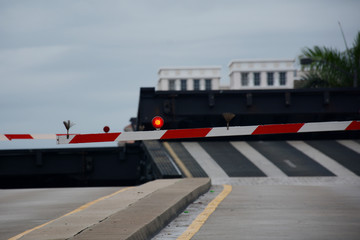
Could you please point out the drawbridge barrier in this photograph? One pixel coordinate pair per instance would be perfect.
(192, 133)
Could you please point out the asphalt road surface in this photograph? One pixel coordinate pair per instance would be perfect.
(276, 159)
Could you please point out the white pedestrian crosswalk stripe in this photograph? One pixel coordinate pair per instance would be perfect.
(258, 159)
(212, 169)
(322, 159)
(350, 144)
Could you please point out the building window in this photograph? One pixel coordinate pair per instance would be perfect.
(282, 78)
(244, 79)
(270, 78)
(207, 84)
(196, 84)
(183, 84)
(172, 84)
(257, 79)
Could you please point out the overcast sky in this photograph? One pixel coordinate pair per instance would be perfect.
(86, 60)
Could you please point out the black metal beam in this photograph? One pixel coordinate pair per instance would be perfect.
(191, 109)
(72, 167)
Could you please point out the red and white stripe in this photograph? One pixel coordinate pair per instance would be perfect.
(9, 137)
(211, 132)
(192, 133)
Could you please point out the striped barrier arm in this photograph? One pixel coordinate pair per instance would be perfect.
(9, 137)
(192, 133)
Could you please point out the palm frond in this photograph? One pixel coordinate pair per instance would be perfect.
(331, 67)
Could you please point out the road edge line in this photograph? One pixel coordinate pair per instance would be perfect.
(177, 160)
(204, 215)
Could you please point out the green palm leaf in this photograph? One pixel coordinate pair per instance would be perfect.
(332, 68)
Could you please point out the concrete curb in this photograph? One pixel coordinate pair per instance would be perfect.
(187, 192)
(136, 213)
(149, 215)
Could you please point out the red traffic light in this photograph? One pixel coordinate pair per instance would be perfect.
(157, 122)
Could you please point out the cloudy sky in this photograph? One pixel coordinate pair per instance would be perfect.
(86, 60)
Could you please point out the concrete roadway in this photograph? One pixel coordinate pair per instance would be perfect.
(269, 199)
(23, 209)
(311, 191)
(286, 212)
(96, 213)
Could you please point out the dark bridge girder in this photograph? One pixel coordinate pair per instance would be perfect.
(193, 109)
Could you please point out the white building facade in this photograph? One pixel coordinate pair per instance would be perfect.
(262, 74)
(189, 78)
(244, 74)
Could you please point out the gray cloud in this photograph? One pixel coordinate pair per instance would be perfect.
(86, 60)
